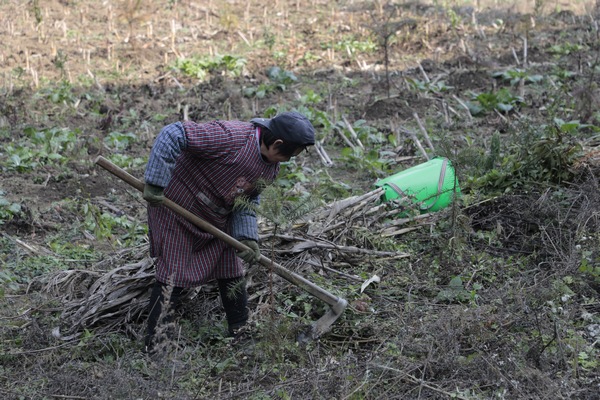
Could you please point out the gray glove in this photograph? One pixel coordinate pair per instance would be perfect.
(252, 254)
(153, 194)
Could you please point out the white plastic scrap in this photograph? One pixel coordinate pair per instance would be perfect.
(366, 283)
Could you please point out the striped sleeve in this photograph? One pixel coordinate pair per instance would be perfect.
(243, 222)
(169, 144)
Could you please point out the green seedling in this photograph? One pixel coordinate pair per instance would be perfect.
(571, 127)
(8, 209)
(565, 49)
(61, 93)
(201, 67)
(41, 147)
(374, 156)
(563, 74)
(352, 46)
(127, 161)
(371, 161)
(456, 292)
(290, 173)
(310, 98)
(119, 229)
(514, 76)
(502, 100)
(117, 141)
(279, 80)
(428, 87)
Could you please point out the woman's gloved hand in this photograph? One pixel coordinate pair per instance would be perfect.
(251, 255)
(153, 194)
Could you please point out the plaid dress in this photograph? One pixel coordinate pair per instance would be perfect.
(203, 168)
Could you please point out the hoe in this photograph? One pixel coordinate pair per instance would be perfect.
(337, 304)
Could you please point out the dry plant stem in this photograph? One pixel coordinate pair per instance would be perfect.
(419, 145)
(407, 220)
(514, 53)
(501, 116)
(445, 112)
(452, 110)
(64, 396)
(323, 154)
(418, 381)
(354, 211)
(351, 277)
(30, 248)
(336, 207)
(344, 138)
(22, 353)
(307, 243)
(525, 52)
(117, 211)
(244, 38)
(177, 83)
(98, 85)
(109, 296)
(375, 210)
(423, 131)
(469, 116)
(353, 133)
(399, 231)
(423, 73)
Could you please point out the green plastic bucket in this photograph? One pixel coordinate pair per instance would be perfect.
(431, 185)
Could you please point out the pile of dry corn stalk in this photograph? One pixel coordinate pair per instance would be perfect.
(115, 291)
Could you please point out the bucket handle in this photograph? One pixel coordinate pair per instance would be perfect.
(441, 179)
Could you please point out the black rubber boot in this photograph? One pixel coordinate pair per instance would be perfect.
(163, 300)
(235, 302)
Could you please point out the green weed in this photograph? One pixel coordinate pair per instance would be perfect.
(588, 360)
(117, 229)
(279, 80)
(563, 75)
(374, 158)
(8, 209)
(7, 281)
(60, 93)
(127, 162)
(53, 146)
(437, 87)
(366, 160)
(290, 174)
(117, 141)
(502, 100)
(590, 261)
(456, 292)
(351, 45)
(201, 67)
(23, 269)
(516, 75)
(566, 48)
(130, 119)
(310, 98)
(538, 154)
